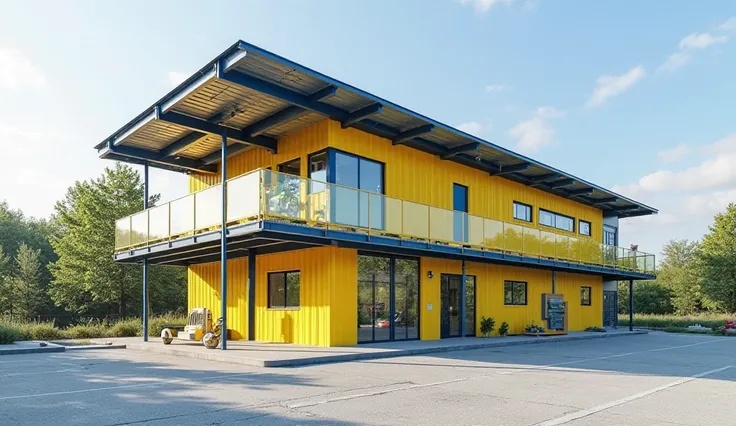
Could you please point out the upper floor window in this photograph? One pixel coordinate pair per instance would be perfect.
(293, 167)
(609, 235)
(556, 220)
(522, 211)
(584, 227)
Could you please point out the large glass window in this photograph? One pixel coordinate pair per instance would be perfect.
(388, 298)
(460, 218)
(556, 220)
(318, 172)
(362, 208)
(514, 293)
(522, 212)
(284, 289)
(609, 235)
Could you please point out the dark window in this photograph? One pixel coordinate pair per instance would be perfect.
(293, 167)
(585, 296)
(522, 212)
(584, 228)
(514, 293)
(556, 220)
(284, 289)
(460, 218)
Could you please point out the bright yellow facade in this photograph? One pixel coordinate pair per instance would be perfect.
(327, 315)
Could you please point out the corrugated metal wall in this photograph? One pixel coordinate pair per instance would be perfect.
(490, 295)
(424, 178)
(204, 292)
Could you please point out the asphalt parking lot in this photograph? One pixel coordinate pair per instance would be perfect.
(652, 379)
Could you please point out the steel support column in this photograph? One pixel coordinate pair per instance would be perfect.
(251, 294)
(554, 282)
(631, 305)
(145, 260)
(223, 242)
(463, 298)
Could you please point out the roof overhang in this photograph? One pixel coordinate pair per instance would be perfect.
(253, 97)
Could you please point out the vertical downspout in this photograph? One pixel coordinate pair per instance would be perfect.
(223, 242)
(554, 282)
(462, 302)
(145, 259)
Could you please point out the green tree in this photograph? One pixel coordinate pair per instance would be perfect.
(6, 299)
(650, 297)
(717, 261)
(27, 290)
(85, 278)
(678, 273)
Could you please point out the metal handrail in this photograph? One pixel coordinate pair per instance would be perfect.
(450, 226)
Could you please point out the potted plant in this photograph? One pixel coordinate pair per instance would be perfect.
(486, 326)
(504, 329)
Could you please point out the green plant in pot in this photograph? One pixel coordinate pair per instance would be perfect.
(486, 326)
(534, 328)
(504, 329)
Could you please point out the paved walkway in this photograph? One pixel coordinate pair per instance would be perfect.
(262, 354)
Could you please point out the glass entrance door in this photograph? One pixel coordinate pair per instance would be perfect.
(450, 315)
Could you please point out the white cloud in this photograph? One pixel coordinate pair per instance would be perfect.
(535, 133)
(18, 72)
(472, 127)
(730, 24)
(673, 155)
(483, 6)
(701, 41)
(715, 172)
(491, 88)
(550, 112)
(675, 60)
(176, 77)
(613, 85)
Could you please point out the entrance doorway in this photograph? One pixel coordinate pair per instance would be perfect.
(450, 315)
(610, 309)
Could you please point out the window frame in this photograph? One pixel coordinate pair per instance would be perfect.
(531, 211)
(513, 284)
(555, 215)
(285, 306)
(280, 166)
(580, 228)
(590, 296)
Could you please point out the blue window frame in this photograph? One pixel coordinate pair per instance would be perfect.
(349, 173)
(556, 220)
(522, 211)
(460, 217)
(584, 227)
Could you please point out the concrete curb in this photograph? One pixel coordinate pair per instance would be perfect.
(93, 347)
(32, 350)
(211, 355)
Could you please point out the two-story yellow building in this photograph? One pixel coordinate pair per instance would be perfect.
(351, 219)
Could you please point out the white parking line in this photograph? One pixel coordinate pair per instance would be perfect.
(598, 408)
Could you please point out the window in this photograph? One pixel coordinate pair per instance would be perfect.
(585, 296)
(283, 289)
(514, 293)
(584, 228)
(556, 220)
(522, 212)
(318, 172)
(293, 167)
(609, 235)
(351, 207)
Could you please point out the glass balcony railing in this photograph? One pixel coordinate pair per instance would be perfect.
(264, 194)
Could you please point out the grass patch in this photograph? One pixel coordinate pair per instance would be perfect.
(126, 328)
(156, 324)
(677, 321)
(11, 333)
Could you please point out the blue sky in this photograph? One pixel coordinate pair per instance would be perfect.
(634, 96)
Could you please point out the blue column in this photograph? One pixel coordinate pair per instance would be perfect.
(145, 260)
(223, 243)
(554, 282)
(252, 294)
(462, 302)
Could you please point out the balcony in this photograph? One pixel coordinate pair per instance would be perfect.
(264, 195)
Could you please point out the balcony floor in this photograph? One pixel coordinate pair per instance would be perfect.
(271, 236)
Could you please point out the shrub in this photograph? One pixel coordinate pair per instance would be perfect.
(486, 326)
(126, 328)
(156, 323)
(533, 328)
(10, 333)
(504, 329)
(664, 321)
(89, 331)
(44, 331)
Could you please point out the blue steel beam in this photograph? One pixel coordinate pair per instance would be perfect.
(578, 192)
(361, 114)
(624, 208)
(603, 200)
(288, 113)
(560, 183)
(150, 156)
(472, 146)
(223, 243)
(412, 133)
(181, 144)
(198, 124)
(513, 168)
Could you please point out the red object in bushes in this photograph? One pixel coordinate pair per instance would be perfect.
(730, 325)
